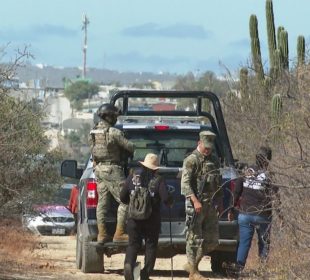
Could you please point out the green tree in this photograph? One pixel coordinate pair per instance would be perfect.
(80, 90)
(186, 82)
(208, 81)
(78, 142)
(26, 164)
(143, 85)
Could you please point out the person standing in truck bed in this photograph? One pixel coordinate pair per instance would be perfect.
(109, 147)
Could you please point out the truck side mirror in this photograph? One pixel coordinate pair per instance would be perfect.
(69, 169)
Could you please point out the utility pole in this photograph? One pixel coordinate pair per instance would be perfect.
(85, 22)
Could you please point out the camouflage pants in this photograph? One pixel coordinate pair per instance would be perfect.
(203, 237)
(110, 179)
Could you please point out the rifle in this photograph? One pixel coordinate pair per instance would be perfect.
(191, 213)
(213, 182)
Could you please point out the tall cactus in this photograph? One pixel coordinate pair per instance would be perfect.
(244, 87)
(279, 30)
(272, 45)
(276, 108)
(255, 48)
(283, 46)
(300, 50)
(277, 63)
(276, 112)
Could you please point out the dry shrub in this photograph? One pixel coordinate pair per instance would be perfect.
(16, 244)
(20, 252)
(250, 124)
(25, 159)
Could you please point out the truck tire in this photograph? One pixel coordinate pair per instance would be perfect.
(92, 260)
(78, 248)
(217, 259)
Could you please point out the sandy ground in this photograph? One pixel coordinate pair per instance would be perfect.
(54, 258)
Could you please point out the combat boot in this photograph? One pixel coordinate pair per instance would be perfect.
(103, 236)
(120, 236)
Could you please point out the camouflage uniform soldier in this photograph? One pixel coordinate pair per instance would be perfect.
(200, 185)
(109, 149)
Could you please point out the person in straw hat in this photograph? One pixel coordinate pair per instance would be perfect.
(148, 229)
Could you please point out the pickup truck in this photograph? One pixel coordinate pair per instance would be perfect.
(172, 133)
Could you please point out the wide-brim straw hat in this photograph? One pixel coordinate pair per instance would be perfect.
(150, 161)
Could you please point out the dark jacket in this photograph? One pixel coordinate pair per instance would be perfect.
(254, 192)
(160, 193)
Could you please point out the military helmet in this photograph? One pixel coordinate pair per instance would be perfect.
(107, 109)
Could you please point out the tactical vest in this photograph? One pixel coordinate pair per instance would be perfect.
(104, 148)
(207, 174)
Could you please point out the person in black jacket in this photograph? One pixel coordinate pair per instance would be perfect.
(255, 194)
(149, 228)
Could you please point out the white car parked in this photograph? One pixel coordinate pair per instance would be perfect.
(51, 218)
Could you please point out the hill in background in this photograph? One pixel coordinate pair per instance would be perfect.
(54, 76)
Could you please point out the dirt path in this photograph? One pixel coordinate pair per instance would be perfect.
(55, 259)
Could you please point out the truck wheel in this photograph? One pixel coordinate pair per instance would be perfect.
(218, 258)
(92, 261)
(78, 255)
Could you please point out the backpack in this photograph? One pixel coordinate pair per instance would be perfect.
(140, 203)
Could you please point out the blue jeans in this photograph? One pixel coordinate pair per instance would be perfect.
(247, 225)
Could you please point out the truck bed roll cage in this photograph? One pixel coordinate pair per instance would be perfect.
(218, 125)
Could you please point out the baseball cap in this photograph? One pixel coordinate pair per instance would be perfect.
(207, 137)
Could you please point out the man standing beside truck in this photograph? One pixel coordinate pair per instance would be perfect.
(200, 185)
(259, 198)
(109, 151)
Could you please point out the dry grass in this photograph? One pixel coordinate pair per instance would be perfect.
(17, 249)
(251, 123)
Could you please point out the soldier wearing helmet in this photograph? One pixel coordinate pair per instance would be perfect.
(200, 184)
(108, 112)
(108, 146)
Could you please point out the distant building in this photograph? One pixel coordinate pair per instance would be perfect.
(164, 107)
(74, 125)
(10, 84)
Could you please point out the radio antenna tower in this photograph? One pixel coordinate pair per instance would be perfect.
(85, 22)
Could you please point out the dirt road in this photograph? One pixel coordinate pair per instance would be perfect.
(55, 259)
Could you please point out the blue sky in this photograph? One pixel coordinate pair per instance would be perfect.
(173, 36)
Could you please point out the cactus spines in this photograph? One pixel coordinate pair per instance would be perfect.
(255, 48)
(244, 87)
(276, 107)
(283, 46)
(300, 50)
(272, 45)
